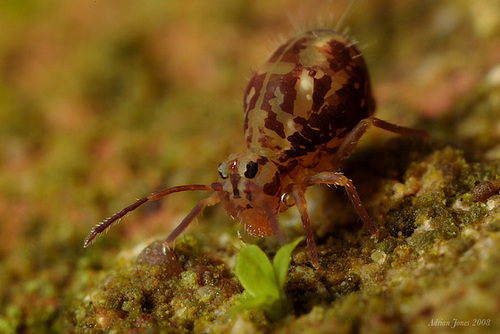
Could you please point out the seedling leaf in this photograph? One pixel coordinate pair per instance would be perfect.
(263, 282)
(281, 262)
(255, 272)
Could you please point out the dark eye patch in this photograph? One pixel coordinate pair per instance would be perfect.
(252, 168)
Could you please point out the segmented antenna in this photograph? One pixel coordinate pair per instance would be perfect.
(98, 229)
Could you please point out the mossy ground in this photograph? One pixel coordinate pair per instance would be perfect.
(102, 102)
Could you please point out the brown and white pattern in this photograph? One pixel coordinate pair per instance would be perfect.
(311, 92)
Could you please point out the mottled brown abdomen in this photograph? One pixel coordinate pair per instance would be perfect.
(308, 95)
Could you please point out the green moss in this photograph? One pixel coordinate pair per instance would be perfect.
(162, 292)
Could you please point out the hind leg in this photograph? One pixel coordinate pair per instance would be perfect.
(359, 130)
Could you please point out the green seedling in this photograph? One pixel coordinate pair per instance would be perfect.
(264, 282)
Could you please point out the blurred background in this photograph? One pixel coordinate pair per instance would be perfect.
(102, 102)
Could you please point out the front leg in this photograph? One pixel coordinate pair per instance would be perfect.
(339, 179)
(301, 204)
